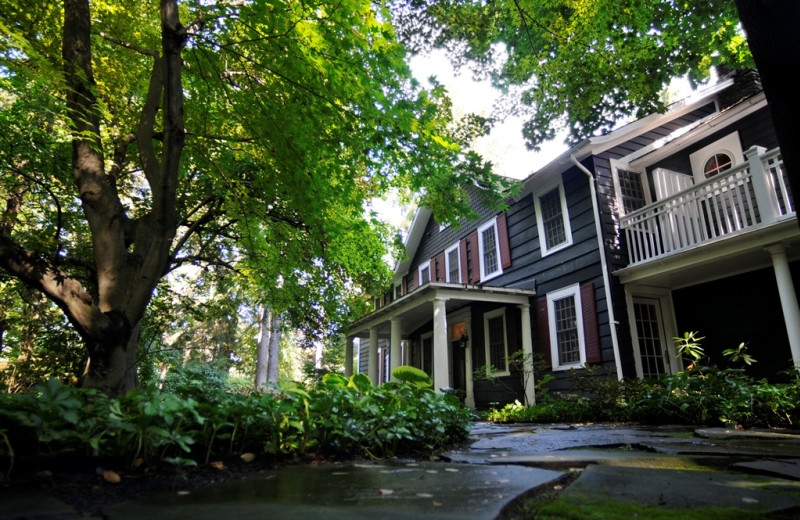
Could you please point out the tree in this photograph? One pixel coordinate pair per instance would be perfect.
(146, 137)
(587, 64)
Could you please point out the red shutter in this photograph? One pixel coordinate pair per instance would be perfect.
(441, 268)
(413, 280)
(502, 238)
(432, 272)
(591, 334)
(462, 255)
(543, 330)
(404, 289)
(474, 257)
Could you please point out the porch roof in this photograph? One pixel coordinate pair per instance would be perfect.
(416, 307)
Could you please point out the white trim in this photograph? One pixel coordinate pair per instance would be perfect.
(486, 317)
(730, 145)
(564, 218)
(447, 252)
(423, 266)
(484, 276)
(573, 291)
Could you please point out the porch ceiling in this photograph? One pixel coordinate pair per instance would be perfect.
(717, 259)
(416, 308)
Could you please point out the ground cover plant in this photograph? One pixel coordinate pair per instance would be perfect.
(196, 424)
(699, 394)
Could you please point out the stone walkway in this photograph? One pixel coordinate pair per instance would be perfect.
(670, 467)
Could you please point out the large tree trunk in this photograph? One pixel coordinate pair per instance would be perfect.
(262, 352)
(112, 366)
(274, 347)
(773, 34)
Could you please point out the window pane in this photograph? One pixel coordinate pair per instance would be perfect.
(497, 343)
(567, 331)
(454, 274)
(489, 251)
(650, 344)
(552, 218)
(425, 275)
(630, 184)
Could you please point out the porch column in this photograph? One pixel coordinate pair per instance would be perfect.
(441, 359)
(348, 357)
(372, 359)
(527, 351)
(791, 310)
(396, 349)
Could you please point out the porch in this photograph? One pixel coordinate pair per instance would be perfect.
(447, 307)
(737, 221)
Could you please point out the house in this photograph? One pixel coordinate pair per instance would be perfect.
(677, 222)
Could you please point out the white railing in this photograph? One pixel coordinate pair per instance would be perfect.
(753, 194)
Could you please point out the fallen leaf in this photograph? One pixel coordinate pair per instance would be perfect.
(424, 495)
(435, 503)
(385, 492)
(111, 476)
(339, 473)
(138, 462)
(217, 464)
(451, 470)
(503, 480)
(183, 492)
(248, 457)
(750, 500)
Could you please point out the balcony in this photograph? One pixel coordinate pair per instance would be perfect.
(752, 196)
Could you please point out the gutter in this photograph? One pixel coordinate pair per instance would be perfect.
(604, 265)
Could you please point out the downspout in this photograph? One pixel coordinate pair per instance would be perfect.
(604, 265)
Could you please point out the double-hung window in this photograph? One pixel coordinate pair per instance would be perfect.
(553, 220)
(489, 250)
(452, 260)
(496, 342)
(566, 328)
(424, 273)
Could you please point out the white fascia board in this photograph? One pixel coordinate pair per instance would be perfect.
(599, 144)
(414, 237)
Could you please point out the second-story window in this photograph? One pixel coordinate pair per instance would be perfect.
(424, 273)
(453, 264)
(489, 250)
(553, 220)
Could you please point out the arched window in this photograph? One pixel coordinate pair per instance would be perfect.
(719, 162)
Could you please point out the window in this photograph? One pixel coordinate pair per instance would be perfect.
(495, 342)
(424, 273)
(426, 353)
(721, 155)
(489, 250)
(632, 190)
(553, 220)
(566, 328)
(398, 291)
(452, 261)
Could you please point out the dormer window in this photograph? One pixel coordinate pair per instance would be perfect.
(723, 154)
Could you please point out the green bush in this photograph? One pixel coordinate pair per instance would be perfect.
(198, 423)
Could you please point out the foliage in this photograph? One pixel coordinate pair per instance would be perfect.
(195, 423)
(583, 64)
(699, 394)
(227, 146)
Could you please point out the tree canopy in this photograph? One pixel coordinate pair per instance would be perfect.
(582, 64)
(144, 138)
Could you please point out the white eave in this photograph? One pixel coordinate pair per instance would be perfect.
(414, 237)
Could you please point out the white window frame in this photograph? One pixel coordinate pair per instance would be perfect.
(447, 252)
(422, 267)
(564, 216)
(730, 145)
(484, 276)
(553, 296)
(502, 371)
(615, 167)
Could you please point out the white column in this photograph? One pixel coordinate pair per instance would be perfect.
(527, 350)
(396, 349)
(441, 358)
(348, 357)
(791, 310)
(372, 359)
(765, 195)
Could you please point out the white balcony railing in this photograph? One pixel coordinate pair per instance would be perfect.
(751, 195)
